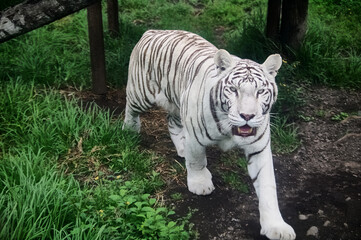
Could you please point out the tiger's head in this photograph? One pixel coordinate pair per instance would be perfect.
(247, 91)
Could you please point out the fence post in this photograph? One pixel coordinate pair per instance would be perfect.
(113, 17)
(96, 42)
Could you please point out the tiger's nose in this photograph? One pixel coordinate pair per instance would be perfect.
(247, 117)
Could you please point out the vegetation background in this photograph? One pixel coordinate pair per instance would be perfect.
(70, 173)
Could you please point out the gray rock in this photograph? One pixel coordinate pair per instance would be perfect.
(313, 231)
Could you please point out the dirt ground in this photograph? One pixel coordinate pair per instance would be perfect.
(319, 184)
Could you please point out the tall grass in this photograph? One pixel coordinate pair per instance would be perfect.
(331, 53)
(60, 165)
(35, 199)
(43, 118)
(333, 59)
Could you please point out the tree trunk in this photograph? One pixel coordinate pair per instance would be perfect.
(96, 42)
(113, 17)
(294, 22)
(273, 19)
(32, 14)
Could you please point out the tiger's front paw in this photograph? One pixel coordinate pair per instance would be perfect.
(200, 182)
(279, 231)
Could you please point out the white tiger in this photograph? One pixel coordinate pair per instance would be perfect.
(212, 98)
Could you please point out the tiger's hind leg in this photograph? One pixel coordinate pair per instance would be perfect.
(138, 101)
(131, 119)
(176, 133)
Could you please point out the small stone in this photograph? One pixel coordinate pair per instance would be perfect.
(302, 217)
(348, 199)
(320, 212)
(327, 223)
(230, 228)
(313, 231)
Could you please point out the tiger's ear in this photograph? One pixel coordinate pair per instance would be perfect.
(272, 64)
(223, 60)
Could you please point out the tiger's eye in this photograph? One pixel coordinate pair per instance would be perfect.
(260, 91)
(233, 89)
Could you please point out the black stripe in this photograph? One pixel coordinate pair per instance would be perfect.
(205, 128)
(195, 134)
(260, 136)
(214, 112)
(257, 152)
(255, 178)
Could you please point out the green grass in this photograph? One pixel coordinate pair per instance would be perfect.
(331, 53)
(54, 55)
(57, 54)
(334, 59)
(60, 165)
(35, 199)
(234, 170)
(284, 135)
(234, 180)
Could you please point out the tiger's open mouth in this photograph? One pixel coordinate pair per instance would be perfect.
(244, 131)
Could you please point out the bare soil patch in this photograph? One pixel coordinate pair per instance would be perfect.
(319, 184)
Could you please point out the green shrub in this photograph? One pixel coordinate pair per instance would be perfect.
(130, 214)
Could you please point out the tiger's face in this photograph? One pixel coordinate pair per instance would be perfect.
(249, 91)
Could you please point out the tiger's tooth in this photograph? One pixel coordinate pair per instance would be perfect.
(239, 130)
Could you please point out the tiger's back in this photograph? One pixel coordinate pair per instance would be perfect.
(162, 65)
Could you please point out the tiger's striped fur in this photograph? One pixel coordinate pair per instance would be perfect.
(211, 97)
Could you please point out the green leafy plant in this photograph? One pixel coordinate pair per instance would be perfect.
(305, 118)
(129, 213)
(321, 113)
(176, 196)
(340, 116)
